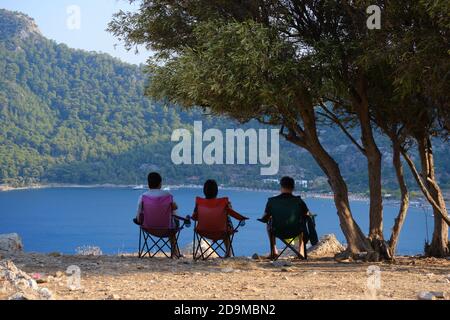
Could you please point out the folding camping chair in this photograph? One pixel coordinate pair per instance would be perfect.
(158, 225)
(287, 224)
(212, 227)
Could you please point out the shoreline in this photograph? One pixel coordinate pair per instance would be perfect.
(416, 202)
(306, 194)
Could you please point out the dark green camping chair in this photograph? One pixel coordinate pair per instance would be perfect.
(287, 223)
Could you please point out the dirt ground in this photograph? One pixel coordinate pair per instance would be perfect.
(127, 277)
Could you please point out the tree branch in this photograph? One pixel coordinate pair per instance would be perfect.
(330, 115)
(422, 186)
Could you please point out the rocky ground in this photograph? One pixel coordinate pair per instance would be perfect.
(128, 277)
(90, 275)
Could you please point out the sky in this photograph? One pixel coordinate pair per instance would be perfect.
(80, 24)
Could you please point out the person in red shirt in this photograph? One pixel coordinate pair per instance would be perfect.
(211, 190)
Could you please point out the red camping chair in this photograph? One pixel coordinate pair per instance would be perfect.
(157, 225)
(211, 223)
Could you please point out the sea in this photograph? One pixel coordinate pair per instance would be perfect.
(66, 220)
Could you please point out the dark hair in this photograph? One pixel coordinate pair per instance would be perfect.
(154, 180)
(287, 183)
(210, 189)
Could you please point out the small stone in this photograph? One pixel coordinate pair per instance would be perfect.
(438, 294)
(285, 278)
(227, 270)
(58, 274)
(46, 294)
(41, 281)
(255, 256)
(280, 264)
(430, 295)
(285, 270)
(113, 297)
(20, 296)
(54, 254)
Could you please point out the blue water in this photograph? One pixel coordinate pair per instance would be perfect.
(63, 219)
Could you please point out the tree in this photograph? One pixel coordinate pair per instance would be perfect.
(413, 48)
(276, 61)
(243, 69)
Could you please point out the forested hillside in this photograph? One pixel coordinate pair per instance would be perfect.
(72, 116)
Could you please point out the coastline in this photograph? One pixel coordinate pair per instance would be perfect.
(306, 194)
(419, 201)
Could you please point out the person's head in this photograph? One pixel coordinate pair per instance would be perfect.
(154, 180)
(210, 189)
(287, 185)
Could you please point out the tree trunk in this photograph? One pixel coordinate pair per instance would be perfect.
(439, 243)
(356, 240)
(404, 198)
(373, 155)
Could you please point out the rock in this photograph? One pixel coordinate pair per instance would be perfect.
(227, 270)
(10, 243)
(430, 295)
(55, 254)
(46, 294)
(255, 256)
(280, 263)
(187, 251)
(23, 285)
(113, 297)
(328, 246)
(20, 296)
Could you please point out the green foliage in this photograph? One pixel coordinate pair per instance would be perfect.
(237, 69)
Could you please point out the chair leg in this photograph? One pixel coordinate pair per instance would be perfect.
(139, 249)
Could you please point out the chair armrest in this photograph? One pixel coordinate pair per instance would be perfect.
(186, 219)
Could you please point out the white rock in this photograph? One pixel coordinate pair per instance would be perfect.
(24, 286)
(10, 243)
(430, 295)
(425, 296)
(45, 294)
(187, 251)
(327, 246)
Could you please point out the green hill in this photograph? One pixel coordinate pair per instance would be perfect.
(72, 116)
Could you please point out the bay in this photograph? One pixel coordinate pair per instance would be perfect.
(62, 219)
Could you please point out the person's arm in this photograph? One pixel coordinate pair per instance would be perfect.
(266, 217)
(304, 208)
(139, 208)
(235, 214)
(194, 214)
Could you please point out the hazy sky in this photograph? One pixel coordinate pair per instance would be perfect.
(57, 20)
